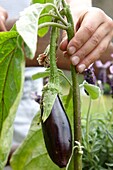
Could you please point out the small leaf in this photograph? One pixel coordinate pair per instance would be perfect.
(41, 74)
(93, 90)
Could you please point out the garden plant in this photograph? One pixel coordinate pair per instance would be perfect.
(59, 137)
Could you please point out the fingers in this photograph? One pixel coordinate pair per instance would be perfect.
(90, 23)
(90, 40)
(94, 55)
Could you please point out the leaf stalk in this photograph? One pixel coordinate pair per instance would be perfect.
(53, 24)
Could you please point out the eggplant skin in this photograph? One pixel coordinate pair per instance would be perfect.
(58, 135)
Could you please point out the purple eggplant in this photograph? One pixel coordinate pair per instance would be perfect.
(57, 134)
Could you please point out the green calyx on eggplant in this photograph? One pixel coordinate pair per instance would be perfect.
(57, 134)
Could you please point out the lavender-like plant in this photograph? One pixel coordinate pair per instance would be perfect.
(89, 75)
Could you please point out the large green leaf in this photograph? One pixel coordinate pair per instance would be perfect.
(27, 25)
(41, 162)
(11, 81)
(32, 153)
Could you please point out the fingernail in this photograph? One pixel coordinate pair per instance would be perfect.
(81, 68)
(71, 50)
(75, 60)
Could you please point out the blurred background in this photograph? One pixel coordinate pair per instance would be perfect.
(106, 5)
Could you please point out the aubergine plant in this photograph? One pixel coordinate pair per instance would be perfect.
(38, 18)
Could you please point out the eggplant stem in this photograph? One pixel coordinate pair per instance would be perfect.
(76, 94)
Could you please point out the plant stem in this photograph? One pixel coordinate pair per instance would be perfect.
(50, 15)
(47, 24)
(76, 95)
(54, 76)
(87, 124)
(57, 17)
(76, 118)
(57, 12)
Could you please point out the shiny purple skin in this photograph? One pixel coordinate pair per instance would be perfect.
(57, 135)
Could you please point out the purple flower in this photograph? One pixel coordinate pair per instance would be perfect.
(99, 64)
(89, 75)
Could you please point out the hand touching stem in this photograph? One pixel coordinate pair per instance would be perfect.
(93, 33)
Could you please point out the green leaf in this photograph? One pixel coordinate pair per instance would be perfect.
(61, 73)
(27, 25)
(11, 82)
(93, 90)
(44, 19)
(41, 162)
(32, 153)
(41, 74)
(32, 145)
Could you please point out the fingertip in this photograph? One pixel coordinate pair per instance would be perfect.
(75, 60)
(81, 68)
(71, 50)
